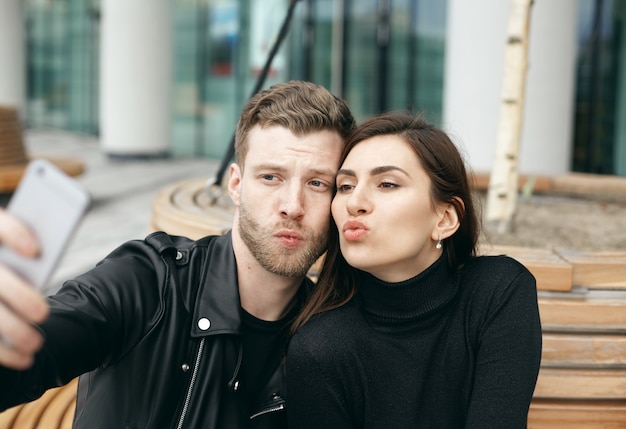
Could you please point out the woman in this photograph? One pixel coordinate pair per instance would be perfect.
(407, 327)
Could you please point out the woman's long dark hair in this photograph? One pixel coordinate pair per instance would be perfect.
(445, 167)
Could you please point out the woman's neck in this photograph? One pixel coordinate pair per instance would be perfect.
(408, 299)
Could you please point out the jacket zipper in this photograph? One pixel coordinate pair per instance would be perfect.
(268, 410)
(192, 383)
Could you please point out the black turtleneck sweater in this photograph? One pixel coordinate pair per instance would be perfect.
(439, 350)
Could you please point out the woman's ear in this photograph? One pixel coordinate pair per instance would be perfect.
(234, 183)
(448, 222)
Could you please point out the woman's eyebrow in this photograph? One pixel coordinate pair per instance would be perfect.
(386, 168)
(346, 172)
(375, 171)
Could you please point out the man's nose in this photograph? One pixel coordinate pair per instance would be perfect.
(292, 202)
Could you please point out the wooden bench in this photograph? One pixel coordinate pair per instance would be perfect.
(582, 303)
(607, 188)
(14, 157)
(54, 410)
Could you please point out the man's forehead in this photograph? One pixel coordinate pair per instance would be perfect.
(277, 138)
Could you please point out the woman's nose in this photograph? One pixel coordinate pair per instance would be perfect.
(358, 202)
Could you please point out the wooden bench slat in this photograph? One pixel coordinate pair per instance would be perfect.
(12, 149)
(55, 412)
(559, 383)
(8, 417)
(550, 270)
(8, 113)
(582, 314)
(31, 412)
(598, 269)
(550, 414)
(68, 417)
(541, 184)
(10, 175)
(583, 350)
(606, 187)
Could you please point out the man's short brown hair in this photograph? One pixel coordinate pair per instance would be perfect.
(301, 107)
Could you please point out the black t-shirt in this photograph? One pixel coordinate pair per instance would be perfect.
(263, 349)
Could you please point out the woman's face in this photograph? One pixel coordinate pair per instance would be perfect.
(387, 225)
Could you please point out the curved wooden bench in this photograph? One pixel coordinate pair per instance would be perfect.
(186, 209)
(53, 410)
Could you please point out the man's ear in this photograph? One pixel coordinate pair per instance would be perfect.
(235, 175)
(448, 222)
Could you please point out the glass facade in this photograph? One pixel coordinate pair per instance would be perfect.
(220, 48)
(377, 54)
(600, 129)
(62, 46)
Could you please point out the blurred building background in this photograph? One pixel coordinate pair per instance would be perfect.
(154, 77)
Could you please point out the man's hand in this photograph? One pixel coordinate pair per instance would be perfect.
(21, 305)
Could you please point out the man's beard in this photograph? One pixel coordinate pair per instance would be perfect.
(274, 258)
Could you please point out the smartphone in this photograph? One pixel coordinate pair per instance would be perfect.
(52, 204)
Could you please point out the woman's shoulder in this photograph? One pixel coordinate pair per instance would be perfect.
(330, 329)
(329, 321)
(499, 266)
(495, 275)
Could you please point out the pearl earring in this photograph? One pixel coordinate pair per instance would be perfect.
(438, 245)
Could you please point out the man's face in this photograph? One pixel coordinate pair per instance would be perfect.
(283, 196)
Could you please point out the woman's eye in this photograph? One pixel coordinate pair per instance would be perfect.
(344, 188)
(388, 185)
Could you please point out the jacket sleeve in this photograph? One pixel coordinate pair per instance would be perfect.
(508, 355)
(94, 320)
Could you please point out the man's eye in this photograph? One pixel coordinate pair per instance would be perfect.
(317, 183)
(269, 177)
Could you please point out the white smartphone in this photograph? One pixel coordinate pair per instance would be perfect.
(52, 204)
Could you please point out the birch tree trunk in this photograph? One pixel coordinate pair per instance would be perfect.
(503, 182)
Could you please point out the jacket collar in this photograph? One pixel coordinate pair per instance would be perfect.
(217, 307)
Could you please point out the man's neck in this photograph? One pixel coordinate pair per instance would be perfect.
(265, 295)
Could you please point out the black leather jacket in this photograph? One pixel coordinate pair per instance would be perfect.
(155, 330)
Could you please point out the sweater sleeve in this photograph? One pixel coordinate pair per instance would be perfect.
(508, 354)
(310, 368)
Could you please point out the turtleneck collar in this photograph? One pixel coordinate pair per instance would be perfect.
(402, 302)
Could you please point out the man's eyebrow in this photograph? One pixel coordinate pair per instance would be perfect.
(323, 172)
(269, 166)
(374, 172)
(281, 168)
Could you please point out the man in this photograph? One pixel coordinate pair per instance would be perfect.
(172, 333)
